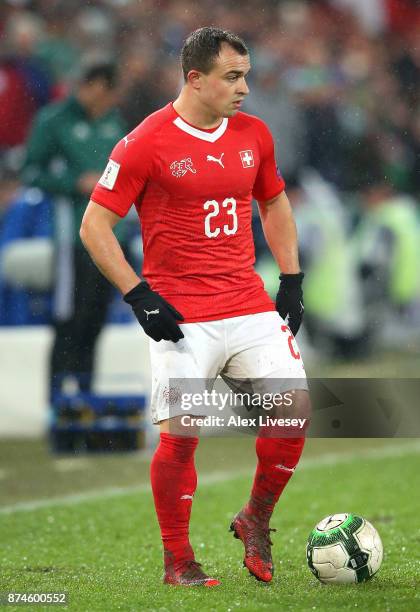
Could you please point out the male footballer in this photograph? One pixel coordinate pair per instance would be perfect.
(192, 169)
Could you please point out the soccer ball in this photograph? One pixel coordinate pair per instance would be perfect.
(344, 548)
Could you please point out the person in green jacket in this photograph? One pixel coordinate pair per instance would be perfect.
(66, 152)
(387, 247)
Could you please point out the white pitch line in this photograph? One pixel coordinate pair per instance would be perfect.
(70, 464)
(382, 452)
(77, 498)
(325, 460)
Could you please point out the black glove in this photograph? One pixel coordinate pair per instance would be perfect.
(289, 300)
(156, 316)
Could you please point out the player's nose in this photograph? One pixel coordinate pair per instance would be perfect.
(243, 88)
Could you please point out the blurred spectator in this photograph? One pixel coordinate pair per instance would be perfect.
(270, 99)
(387, 242)
(66, 153)
(25, 235)
(24, 81)
(386, 246)
(93, 28)
(147, 85)
(372, 14)
(335, 318)
(9, 184)
(403, 15)
(57, 49)
(315, 83)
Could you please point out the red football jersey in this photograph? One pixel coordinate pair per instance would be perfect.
(193, 189)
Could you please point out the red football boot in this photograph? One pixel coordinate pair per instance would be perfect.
(188, 574)
(256, 539)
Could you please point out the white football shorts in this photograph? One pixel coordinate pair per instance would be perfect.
(256, 347)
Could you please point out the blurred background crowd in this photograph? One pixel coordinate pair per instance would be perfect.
(336, 80)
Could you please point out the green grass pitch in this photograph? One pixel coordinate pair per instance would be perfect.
(104, 550)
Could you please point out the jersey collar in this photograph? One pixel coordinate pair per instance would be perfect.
(202, 135)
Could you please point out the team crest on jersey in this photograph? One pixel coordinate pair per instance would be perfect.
(247, 158)
(179, 168)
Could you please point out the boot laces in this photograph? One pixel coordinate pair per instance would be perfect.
(260, 542)
(193, 571)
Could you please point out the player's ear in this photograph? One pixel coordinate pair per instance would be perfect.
(194, 78)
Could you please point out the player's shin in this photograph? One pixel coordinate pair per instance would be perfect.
(174, 480)
(277, 461)
(278, 451)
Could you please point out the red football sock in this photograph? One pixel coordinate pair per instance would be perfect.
(277, 459)
(174, 481)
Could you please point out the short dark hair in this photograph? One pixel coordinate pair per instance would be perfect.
(203, 45)
(100, 71)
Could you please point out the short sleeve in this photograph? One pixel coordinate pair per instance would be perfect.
(125, 175)
(269, 182)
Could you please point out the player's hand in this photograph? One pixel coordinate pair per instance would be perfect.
(289, 300)
(156, 316)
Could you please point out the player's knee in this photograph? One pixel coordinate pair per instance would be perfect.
(297, 411)
(180, 426)
(303, 406)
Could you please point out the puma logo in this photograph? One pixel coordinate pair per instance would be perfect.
(215, 159)
(151, 312)
(127, 140)
(283, 467)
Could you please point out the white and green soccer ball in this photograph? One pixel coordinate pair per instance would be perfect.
(343, 549)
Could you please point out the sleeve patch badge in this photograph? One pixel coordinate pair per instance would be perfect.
(110, 175)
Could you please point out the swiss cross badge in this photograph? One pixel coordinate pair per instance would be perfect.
(247, 158)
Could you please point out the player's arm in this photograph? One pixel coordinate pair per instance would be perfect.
(99, 239)
(156, 316)
(123, 180)
(280, 232)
